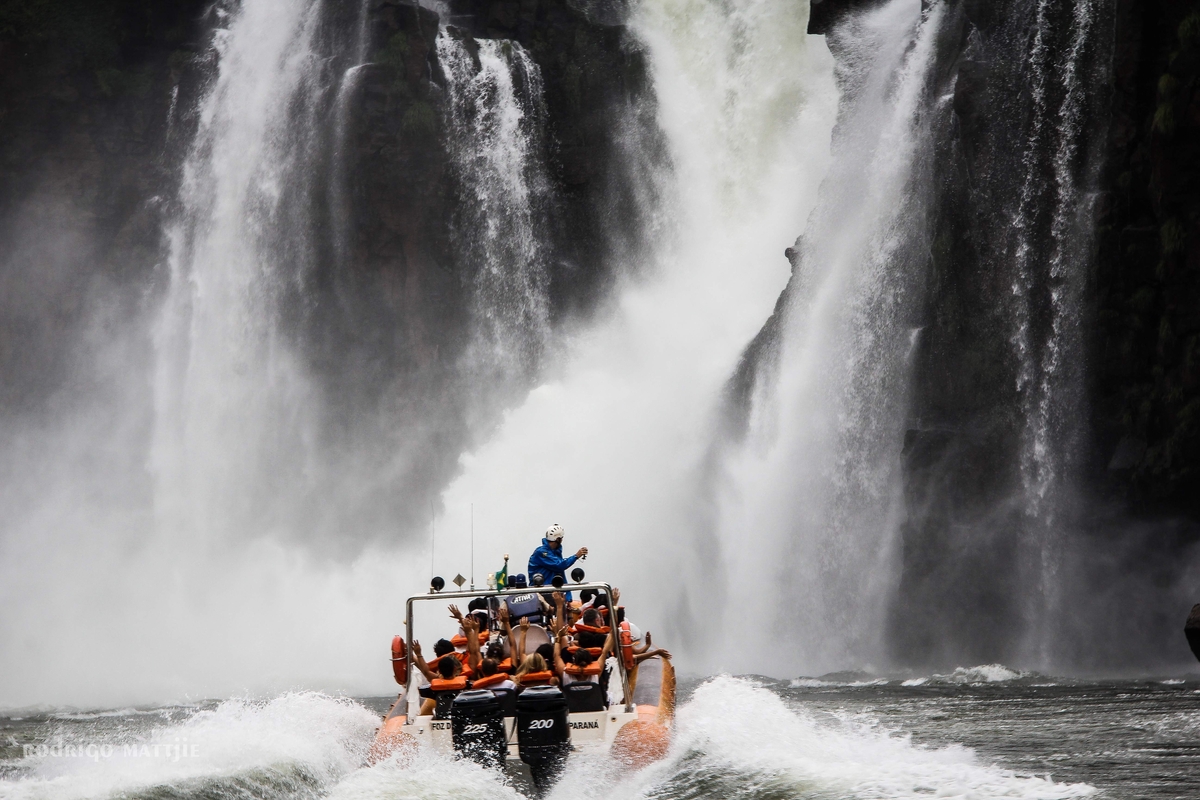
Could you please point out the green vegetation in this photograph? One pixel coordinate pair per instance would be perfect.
(420, 120)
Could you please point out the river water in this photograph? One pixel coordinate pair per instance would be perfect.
(984, 732)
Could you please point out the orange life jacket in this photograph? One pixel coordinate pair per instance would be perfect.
(594, 668)
(627, 645)
(579, 626)
(460, 640)
(505, 666)
(595, 651)
(449, 685)
(536, 678)
(490, 680)
(463, 658)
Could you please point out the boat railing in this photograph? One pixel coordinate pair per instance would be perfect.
(516, 592)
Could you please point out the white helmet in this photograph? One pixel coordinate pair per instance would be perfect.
(554, 533)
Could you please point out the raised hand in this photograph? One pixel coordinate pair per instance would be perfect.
(502, 614)
(469, 624)
(524, 623)
(581, 552)
(649, 641)
(558, 598)
(455, 613)
(616, 596)
(416, 648)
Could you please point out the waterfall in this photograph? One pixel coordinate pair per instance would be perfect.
(1054, 224)
(609, 442)
(495, 121)
(811, 500)
(231, 398)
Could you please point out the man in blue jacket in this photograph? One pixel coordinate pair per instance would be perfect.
(548, 561)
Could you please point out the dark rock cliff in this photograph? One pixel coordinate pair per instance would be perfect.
(1145, 381)
(96, 117)
(85, 169)
(976, 585)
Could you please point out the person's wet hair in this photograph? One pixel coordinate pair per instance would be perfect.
(586, 594)
(546, 651)
(582, 658)
(441, 647)
(620, 614)
(478, 604)
(488, 667)
(591, 617)
(449, 667)
(589, 639)
(533, 663)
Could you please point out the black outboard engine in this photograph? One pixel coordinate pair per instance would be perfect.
(543, 733)
(477, 728)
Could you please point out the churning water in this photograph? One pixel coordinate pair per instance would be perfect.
(975, 734)
(765, 546)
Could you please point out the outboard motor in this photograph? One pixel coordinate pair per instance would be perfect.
(477, 728)
(525, 605)
(543, 733)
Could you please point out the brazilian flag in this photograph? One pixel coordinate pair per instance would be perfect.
(502, 577)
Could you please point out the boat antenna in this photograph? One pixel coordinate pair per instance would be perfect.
(432, 535)
(472, 547)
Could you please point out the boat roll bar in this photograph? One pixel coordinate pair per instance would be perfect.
(573, 587)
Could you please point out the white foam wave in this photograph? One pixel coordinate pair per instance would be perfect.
(427, 776)
(818, 683)
(739, 727)
(309, 737)
(985, 673)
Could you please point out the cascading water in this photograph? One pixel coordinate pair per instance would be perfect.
(815, 483)
(747, 499)
(495, 120)
(1053, 227)
(608, 445)
(231, 397)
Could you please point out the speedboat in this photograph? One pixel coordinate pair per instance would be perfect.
(538, 727)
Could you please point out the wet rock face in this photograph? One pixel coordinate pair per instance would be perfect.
(822, 14)
(1145, 320)
(86, 159)
(593, 74)
(97, 105)
(1192, 630)
(970, 542)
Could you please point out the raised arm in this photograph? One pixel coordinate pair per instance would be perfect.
(419, 661)
(471, 629)
(560, 641)
(610, 644)
(560, 610)
(502, 615)
(521, 638)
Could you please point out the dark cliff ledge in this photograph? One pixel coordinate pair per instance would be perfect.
(1145, 359)
(823, 14)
